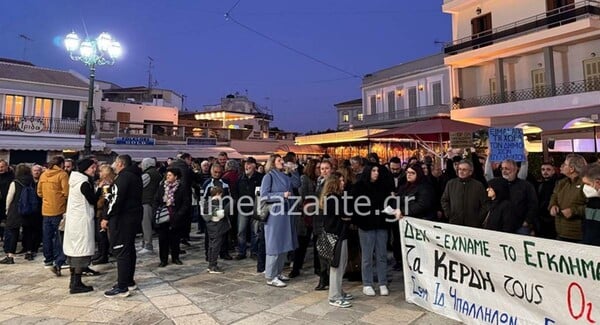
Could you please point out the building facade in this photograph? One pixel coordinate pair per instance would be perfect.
(349, 113)
(407, 92)
(537, 67)
(42, 112)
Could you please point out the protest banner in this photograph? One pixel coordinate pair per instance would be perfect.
(485, 277)
(461, 139)
(506, 143)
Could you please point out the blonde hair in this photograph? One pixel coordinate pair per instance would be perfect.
(110, 172)
(271, 162)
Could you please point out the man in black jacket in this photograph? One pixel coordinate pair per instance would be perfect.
(123, 218)
(184, 163)
(247, 185)
(545, 188)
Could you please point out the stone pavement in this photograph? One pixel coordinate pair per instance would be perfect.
(186, 294)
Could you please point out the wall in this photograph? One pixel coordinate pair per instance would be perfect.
(139, 113)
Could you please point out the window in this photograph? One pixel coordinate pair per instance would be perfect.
(436, 93)
(481, 29)
(345, 117)
(372, 104)
(412, 97)
(42, 107)
(14, 105)
(591, 72)
(359, 116)
(70, 109)
(391, 103)
(559, 12)
(538, 82)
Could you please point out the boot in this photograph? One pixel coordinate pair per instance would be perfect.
(78, 286)
(72, 281)
(323, 282)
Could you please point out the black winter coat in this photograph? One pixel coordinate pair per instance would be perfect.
(418, 201)
(14, 220)
(181, 208)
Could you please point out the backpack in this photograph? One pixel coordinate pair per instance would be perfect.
(29, 202)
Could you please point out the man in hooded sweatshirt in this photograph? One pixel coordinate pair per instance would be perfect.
(150, 180)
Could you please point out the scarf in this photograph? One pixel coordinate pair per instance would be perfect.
(169, 196)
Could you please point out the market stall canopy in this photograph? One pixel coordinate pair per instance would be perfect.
(434, 130)
(305, 149)
(162, 152)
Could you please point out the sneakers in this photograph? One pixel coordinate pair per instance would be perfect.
(275, 282)
(340, 303)
(116, 292)
(383, 290)
(347, 296)
(214, 270)
(132, 287)
(7, 260)
(145, 251)
(283, 278)
(368, 291)
(89, 272)
(48, 264)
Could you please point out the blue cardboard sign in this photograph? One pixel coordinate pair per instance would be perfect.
(506, 143)
(135, 141)
(201, 141)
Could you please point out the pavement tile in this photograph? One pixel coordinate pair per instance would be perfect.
(203, 319)
(159, 290)
(68, 312)
(23, 320)
(227, 316)
(30, 308)
(248, 306)
(170, 301)
(262, 319)
(101, 315)
(310, 298)
(181, 311)
(118, 304)
(320, 309)
(81, 301)
(285, 309)
(391, 315)
(5, 316)
(290, 321)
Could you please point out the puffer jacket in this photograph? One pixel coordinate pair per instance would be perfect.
(53, 188)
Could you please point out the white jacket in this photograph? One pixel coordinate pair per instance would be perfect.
(79, 220)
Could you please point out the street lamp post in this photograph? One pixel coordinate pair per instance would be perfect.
(92, 52)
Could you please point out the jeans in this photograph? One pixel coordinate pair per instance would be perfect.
(52, 242)
(147, 227)
(243, 223)
(11, 236)
(373, 241)
(214, 246)
(274, 265)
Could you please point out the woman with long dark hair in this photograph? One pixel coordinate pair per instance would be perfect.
(372, 227)
(335, 222)
(416, 197)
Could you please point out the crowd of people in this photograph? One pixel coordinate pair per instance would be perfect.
(82, 212)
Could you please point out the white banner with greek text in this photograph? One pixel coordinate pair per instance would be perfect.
(486, 277)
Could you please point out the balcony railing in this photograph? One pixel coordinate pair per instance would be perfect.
(549, 19)
(33, 124)
(567, 88)
(404, 115)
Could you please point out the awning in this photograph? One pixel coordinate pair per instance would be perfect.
(338, 137)
(47, 143)
(162, 152)
(306, 149)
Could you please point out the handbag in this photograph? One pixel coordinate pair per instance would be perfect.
(162, 215)
(264, 208)
(326, 243)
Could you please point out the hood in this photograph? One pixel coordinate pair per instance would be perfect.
(25, 179)
(147, 163)
(55, 170)
(76, 179)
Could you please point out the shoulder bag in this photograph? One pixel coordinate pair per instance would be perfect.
(264, 207)
(326, 244)
(162, 215)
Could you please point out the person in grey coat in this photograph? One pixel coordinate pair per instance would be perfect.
(465, 200)
(280, 232)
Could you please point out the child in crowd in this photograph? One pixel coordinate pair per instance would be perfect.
(215, 213)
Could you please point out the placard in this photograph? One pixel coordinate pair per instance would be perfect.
(135, 140)
(461, 139)
(485, 277)
(506, 143)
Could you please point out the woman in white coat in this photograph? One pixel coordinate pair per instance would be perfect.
(79, 244)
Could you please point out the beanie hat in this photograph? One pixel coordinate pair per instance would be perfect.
(84, 164)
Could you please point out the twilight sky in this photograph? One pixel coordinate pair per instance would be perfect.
(200, 54)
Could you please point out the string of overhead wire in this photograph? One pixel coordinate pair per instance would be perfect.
(229, 17)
